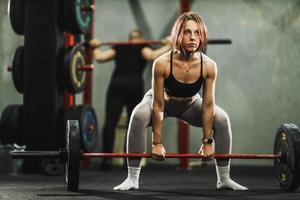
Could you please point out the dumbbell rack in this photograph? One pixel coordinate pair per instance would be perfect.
(39, 122)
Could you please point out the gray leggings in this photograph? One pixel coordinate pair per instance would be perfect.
(190, 113)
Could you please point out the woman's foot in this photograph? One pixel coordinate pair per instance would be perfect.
(230, 184)
(128, 184)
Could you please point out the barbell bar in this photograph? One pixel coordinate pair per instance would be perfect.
(155, 42)
(62, 154)
(150, 42)
(38, 154)
(145, 42)
(286, 156)
(75, 67)
(185, 155)
(159, 42)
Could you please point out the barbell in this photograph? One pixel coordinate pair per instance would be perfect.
(74, 63)
(286, 155)
(155, 42)
(75, 66)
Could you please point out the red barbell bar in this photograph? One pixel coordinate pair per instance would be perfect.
(61, 154)
(187, 155)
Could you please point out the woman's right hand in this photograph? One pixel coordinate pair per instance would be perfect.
(158, 152)
(95, 43)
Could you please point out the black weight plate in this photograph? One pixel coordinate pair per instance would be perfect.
(17, 124)
(60, 68)
(66, 70)
(68, 115)
(73, 149)
(77, 21)
(286, 169)
(17, 15)
(60, 16)
(11, 125)
(18, 69)
(75, 78)
(296, 136)
(6, 137)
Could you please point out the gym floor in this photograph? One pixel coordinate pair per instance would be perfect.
(156, 182)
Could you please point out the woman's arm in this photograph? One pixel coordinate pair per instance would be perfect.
(208, 106)
(158, 151)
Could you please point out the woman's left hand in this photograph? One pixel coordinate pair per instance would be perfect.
(158, 152)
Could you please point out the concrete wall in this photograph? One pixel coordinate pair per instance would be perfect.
(258, 75)
(9, 42)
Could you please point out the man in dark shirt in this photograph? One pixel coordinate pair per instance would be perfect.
(126, 86)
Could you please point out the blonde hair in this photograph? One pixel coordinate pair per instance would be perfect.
(177, 30)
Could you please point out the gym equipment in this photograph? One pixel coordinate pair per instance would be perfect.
(157, 42)
(73, 76)
(11, 125)
(18, 69)
(287, 170)
(88, 121)
(286, 155)
(17, 15)
(78, 15)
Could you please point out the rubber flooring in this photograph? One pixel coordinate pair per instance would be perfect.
(163, 182)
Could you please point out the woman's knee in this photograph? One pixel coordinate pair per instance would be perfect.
(140, 115)
(221, 119)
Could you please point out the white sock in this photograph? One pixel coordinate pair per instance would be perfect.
(224, 180)
(132, 181)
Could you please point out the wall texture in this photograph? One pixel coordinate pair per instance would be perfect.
(9, 42)
(258, 75)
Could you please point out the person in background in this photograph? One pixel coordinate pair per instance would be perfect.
(126, 87)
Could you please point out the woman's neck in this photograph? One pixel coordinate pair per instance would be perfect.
(186, 56)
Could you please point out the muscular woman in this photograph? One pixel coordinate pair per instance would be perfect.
(177, 78)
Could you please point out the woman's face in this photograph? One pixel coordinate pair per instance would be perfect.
(191, 36)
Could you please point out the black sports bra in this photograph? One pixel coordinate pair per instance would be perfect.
(177, 89)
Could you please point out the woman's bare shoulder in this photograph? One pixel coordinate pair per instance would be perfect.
(163, 59)
(160, 63)
(210, 65)
(208, 61)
